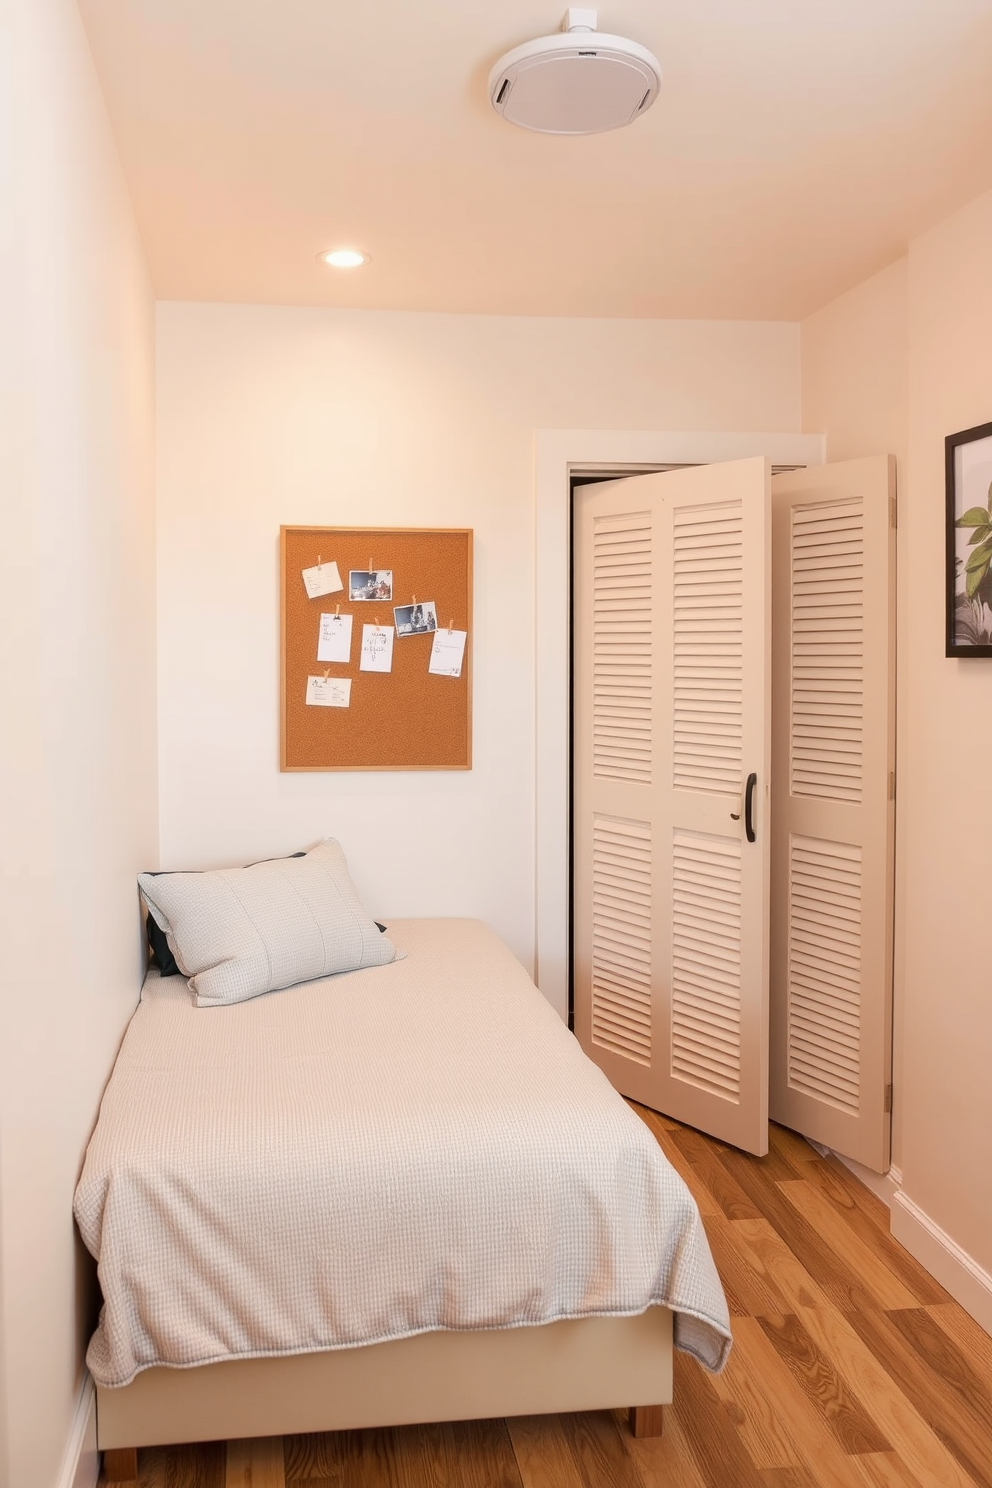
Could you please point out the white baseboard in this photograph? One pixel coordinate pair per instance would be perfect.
(81, 1467)
(967, 1281)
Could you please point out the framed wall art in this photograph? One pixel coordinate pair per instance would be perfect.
(968, 467)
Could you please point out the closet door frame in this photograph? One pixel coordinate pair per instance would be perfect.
(561, 454)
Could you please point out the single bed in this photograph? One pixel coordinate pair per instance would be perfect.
(396, 1194)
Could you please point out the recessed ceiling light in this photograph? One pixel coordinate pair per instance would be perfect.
(344, 258)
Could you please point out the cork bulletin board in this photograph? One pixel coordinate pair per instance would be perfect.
(403, 719)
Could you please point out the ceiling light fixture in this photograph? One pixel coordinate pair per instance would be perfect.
(344, 258)
(578, 82)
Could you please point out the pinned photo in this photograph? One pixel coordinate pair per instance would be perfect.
(373, 584)
(419, 618)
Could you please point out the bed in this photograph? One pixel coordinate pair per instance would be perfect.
(396, 1194)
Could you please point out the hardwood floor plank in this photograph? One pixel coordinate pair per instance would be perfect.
(699, 1153)
(715, 1444)
(830, 1396)
(767, 1254)
(868, 1217)
(789, 1477)
(543, 1454)
(753, 1291)
(256, 1462)
(966, 1333)
(791, 1148)
(827, 1270)
(952, 1401)
(912, 1438)
(885, 1470)
(861, 1260)
(666, 1461)
(314, 1455)
(754, 1412)
(477, 1454)
(196, 1465)
(813, 1445)
(599, 1451)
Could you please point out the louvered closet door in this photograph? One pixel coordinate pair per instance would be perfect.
(833, 818)
(671, 706)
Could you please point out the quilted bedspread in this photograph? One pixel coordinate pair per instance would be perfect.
(410, 1147)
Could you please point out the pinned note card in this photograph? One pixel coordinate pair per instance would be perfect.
(377, 648)
(329, 692)
(323, 578)
(335, 638)
(447, 653)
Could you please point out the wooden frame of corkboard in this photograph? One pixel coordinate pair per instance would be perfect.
(405, 719)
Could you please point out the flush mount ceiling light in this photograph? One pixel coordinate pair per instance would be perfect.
(578, 82)
(344, 258)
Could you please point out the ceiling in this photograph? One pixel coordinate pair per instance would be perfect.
(794, 149)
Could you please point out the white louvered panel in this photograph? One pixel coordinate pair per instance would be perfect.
(706, 962)
(824, 977)
(827, 682)
(707, 648)
(621, 642)
(621, 937)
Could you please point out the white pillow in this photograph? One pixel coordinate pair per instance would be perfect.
(238, 932)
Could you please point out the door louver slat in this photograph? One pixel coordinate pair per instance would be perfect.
(827, 671)
(621, 641)
(621, 937)
(706, 953)
(707, 648)
(824, 974)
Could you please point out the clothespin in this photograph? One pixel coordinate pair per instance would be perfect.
(451, 625)
(327, 673)
(318, 560)
(337, 612)
(371, 569)
(415, 599)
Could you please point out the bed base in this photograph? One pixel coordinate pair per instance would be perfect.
(581, 1364)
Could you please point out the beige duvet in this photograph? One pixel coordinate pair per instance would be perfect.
(410, 1147)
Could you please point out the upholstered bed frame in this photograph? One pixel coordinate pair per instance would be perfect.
(584, 1364)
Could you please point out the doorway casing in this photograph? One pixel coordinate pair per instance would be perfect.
(559, 455)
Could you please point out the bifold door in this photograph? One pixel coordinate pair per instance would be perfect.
(833, 806)
(671, 845)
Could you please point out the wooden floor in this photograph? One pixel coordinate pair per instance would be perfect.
(851, 1368)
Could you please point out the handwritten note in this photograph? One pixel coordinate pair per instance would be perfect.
(335, 638)
(447, 653)
(322, 579)
(377, 648)
(328, 692)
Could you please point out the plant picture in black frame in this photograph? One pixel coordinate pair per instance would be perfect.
(968, 476)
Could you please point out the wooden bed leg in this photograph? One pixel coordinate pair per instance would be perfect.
(120, 1464)
(647, 1420)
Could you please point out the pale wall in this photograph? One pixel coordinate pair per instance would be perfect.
(78, 782)
(269, 416)
(898, 363)
(948, 993)
(854, 371)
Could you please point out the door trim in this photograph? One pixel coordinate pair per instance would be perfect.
(558, 454)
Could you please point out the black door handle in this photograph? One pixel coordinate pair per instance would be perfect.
(752, 781)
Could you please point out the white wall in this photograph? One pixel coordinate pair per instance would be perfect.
(901, 362)
(269, 416)
(948, 992)
(78, 777)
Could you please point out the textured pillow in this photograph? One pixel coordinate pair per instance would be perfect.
(239, 932)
